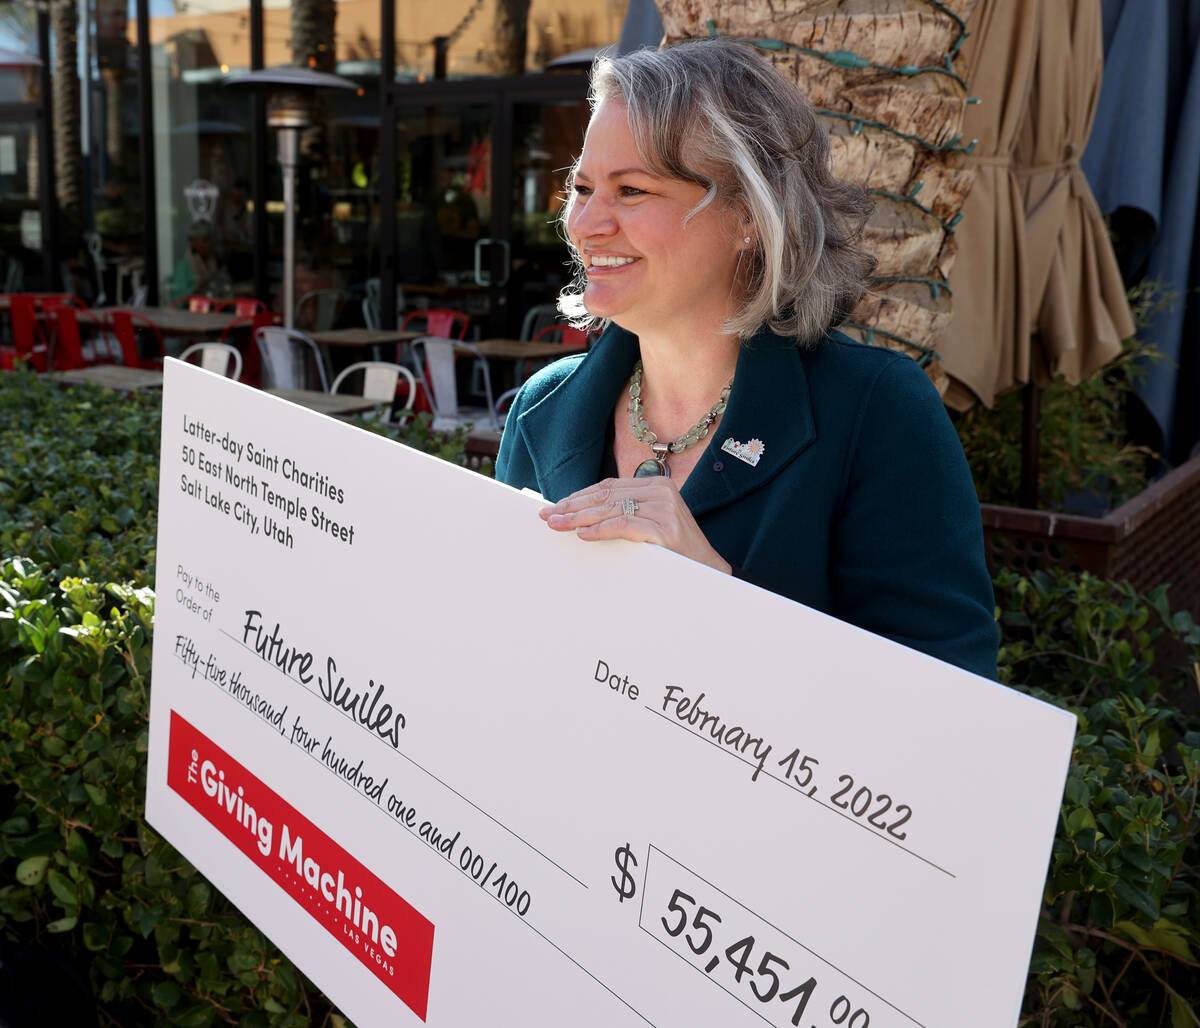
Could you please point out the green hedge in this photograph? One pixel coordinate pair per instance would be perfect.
(1118, 940)
(83, 875)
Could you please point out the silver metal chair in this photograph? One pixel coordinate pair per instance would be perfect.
(503, 401)
(537, 318)
(435, 365)
(379, 380)
(290, 359)
(371, 307)
(219, 358)
(317, 310)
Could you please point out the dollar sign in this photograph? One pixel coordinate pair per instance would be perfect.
(625, 887)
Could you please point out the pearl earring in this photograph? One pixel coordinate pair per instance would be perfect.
(746, 239)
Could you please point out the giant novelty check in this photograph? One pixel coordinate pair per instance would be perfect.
(464, 770)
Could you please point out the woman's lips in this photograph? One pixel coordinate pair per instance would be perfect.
(606, 262)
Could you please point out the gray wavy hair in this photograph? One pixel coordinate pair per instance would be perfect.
(715, 112)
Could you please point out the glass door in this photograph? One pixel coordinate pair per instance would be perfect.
(480, 166)
(445, 205)
(21, 220)
(547, 137)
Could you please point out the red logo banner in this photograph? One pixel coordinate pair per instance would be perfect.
(386, 933)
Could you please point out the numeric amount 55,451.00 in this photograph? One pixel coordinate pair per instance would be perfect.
(698, 927)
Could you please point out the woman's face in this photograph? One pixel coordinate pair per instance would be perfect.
(646, 269)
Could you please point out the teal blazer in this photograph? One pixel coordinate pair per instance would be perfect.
(861, 505)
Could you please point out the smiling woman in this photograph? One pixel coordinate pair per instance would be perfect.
(718, 252)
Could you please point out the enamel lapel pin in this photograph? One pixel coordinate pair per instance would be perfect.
(749, 452)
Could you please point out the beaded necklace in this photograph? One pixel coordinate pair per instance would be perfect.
(657, 465)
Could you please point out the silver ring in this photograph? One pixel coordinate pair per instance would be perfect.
(629, 506)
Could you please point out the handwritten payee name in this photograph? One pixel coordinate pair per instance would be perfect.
(366, 705)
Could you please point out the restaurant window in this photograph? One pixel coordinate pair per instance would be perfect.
(110, 263)
(20, 217)
(202, 158)
(338, 172)
(547, 137)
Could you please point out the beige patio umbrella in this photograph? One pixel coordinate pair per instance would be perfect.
(992, 309)
(1036, 286)
(1079, 308)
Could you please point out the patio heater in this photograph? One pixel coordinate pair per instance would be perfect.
(290, 94)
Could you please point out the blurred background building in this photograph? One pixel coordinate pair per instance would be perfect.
(465, 116)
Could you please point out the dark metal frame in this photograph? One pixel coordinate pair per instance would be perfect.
(258, 157)
(47, 194)
(387, 159)
(146, 119)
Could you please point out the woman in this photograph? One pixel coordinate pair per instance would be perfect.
(719, 415)
(197, 269)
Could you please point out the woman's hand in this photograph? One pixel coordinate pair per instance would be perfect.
(661, 516)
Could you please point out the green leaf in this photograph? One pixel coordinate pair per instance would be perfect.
(1137, 898)
(1164, 935)
(76, 848)
(1080, 818)
(1070, 997)
(1056, 937)
(199, 1016)
(32, 870)
(63, 888)
(1183, 1014)
(63, 924)
(166, 994)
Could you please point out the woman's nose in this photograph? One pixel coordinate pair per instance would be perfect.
(592, 219)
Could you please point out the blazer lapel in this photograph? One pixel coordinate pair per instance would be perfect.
(770, 402)
(565, 431)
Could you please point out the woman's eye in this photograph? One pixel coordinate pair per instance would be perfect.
(631, 191)
(579, 189)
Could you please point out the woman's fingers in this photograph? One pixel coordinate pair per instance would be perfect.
(600, 495)
(614, 498)
(639, 510)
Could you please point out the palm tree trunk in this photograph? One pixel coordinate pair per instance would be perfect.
(510, 30)
(68, 146)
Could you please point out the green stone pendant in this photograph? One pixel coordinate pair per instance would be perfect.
(656, 466)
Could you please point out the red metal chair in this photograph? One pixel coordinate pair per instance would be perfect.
(244, 306)
(136, 333)
(30, 344)
(82, 338)
(51, 301)
(436, 321)
(200, 304)
(564, 334)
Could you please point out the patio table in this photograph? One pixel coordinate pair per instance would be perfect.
(338, 405)
(112, 376)
(173, 321)
(374, 339)
(363, 337)
(523, 349)
(511, 353)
